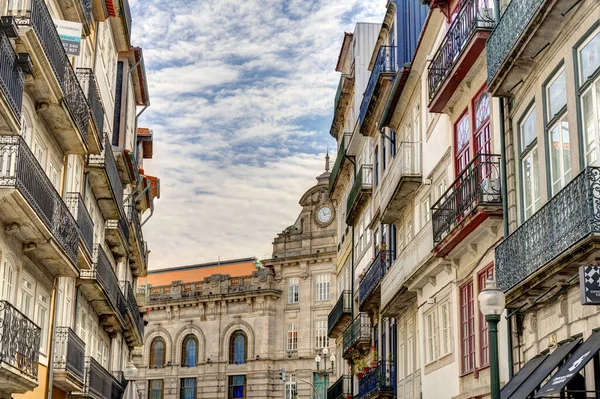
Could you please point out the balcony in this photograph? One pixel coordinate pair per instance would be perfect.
(134, 333)
(106, 184)
(19, 345)
(69, 360)
(524, 30)
(12, 86)
(340, 315)
(379, 87)
(343, 100)
(101, 287)
(357, 336)
(33, 211)
(340, 160)
(458, 52)
(54, 87)
(471, 199)
(549, 247)
(377, 383)
(400, 184)
(85, 224)
(120, 23)
(369, 289)
(137, 245)
(90, 87)
(341, 389)
(99, 383)
(116, 234)
(359, 194)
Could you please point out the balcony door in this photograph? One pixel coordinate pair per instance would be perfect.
(462, 143)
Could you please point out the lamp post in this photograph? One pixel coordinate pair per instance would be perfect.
(491, 304)
(325, 373)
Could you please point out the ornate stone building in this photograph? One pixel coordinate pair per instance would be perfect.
(228, 335)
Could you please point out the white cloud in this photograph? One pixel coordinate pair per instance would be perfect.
(242, 94)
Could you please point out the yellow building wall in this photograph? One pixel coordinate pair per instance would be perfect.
(42, 389)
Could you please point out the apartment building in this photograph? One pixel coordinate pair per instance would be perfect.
(225, 329)
(73, 197)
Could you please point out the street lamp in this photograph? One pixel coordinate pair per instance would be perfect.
(325, 373)
(491, 304)
(131, 371)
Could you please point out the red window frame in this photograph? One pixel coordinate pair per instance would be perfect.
(462, 157)
(484, 342)
(482, 134)
(467, 328)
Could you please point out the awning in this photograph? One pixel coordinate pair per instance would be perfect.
(515, 382)
(544, 370)
(131, 392)
(572, 366)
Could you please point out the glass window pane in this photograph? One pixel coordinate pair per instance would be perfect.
(557, 95)
(528, 133)
(589, 127)
(590, 57)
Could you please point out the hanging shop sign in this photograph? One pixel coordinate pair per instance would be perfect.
(70, 35)
(589, 284)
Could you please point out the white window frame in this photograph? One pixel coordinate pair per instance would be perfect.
(321, 338)
(43, 317)
(292, 337)
(322, 287)
(290, 386)
(9, 280)
(426, 210)
(430, 336)
(27, 295)
(529, 154)
(293, 290)
(564, 165)
(410, 350)
(445, 314)
(591, 123)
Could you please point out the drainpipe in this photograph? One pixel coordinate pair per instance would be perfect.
(51, 359)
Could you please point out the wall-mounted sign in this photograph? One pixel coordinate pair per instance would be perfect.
(70, 35)
(589, 284)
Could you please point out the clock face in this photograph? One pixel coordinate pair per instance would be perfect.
(324, 214)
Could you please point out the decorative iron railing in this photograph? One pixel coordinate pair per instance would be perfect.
(362, 182)
(385, 63)
(339, 161)
(84, 220)
(570, 216)
(107, 160)
(471, 18)
(100, 383)
(38, 17)
(374, 274)
(69, 352)
(340, 389)
(12, 79)
(510, 27)
(378, 380)
(119, 384)
(87, 10)
(477, 184)
(342, 306)
(133, 308)
(87, 78)
(358, 330)
(104, 274)
(19, 340)
(19, 169)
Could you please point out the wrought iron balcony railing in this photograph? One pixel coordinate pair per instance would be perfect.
(19, 340)
(103, 273)
(12, 79)
(84, 220)
(378, 380)
(510, 27)
(341, 388)
(107, 160)
(339, 161)
(87, 9)
(87, 78)
(569, 217)
(39, 18)
(385, 63)
(362, 182)
(375, 273)
(358, 331)
(19, 169)
(133, 308)
(70, 352)
(478, 184)
(470, 19)
(342, 307)
(100, 383)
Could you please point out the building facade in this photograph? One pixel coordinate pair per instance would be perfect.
(225, 329)
(73, 197)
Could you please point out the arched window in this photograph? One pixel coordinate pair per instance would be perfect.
(189, 351)
(238, 347)
(157, 353)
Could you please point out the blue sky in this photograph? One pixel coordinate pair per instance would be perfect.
(241, 103)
